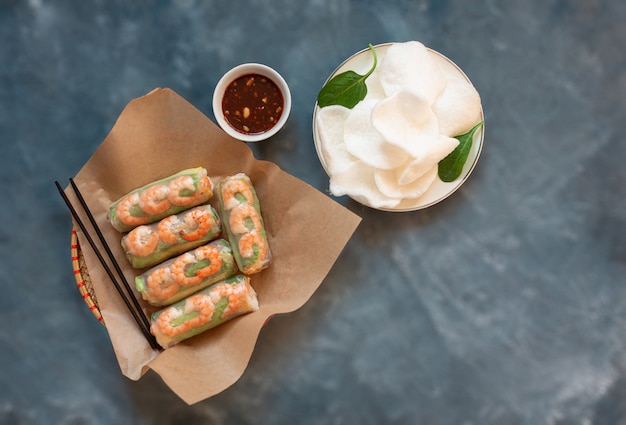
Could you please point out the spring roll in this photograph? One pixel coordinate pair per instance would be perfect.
(161, 198)
(189, 272)
(204, 310)
(241, 217)
(150, 244)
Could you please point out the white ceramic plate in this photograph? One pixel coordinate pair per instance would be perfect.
(361, 62)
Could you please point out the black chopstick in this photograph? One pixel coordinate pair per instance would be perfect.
(137, 315)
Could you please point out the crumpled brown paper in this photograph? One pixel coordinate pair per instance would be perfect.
(155, 136)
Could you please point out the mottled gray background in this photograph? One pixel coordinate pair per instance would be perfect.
(504, 304)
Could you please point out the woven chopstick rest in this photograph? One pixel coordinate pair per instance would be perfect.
(83, 282)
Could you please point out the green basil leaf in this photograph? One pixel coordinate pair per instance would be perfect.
(451, 166)
(345, 89)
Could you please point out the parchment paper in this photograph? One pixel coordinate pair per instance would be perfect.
(160, 134)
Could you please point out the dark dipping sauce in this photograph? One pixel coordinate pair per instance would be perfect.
(252, 104)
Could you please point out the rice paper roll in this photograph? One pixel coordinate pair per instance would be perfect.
(161, 198)
(150, 244)
(241, 218)
(204, 310)
(187, 273)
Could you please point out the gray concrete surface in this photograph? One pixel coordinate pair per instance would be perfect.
(504, 304)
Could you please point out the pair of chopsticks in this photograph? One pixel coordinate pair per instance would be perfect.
(126, 293)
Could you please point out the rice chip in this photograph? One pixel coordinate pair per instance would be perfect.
(330, 126)
(407, 121)
(365, 143)
(409, 66)
(357, 181)
(458, 106)
(387, 182)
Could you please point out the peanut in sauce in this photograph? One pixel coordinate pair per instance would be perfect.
(252, 104)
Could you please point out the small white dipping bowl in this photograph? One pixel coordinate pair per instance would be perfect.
(232, 75)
